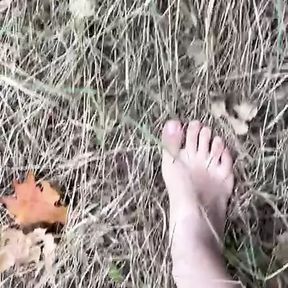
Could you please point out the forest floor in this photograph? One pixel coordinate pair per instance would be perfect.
(84, 95)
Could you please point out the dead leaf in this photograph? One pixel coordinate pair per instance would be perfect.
(240, 127)
(34, 254)
(7, 260)
(197, 52)
(218, 109)
(34, 204)
(37, 235)
(280, 252)
(190, 14)
(246, 111)
(4, 5)
(82, 9)
(17, 248)
(49, 252)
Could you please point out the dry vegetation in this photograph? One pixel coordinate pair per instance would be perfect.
(82, 102)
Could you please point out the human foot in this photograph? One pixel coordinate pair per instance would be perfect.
(198, 178)
(196, 175)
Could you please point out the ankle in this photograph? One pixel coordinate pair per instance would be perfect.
(197, 262)
(190, 235)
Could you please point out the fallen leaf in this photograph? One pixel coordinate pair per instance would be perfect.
(15, 243)
(280, 252)
(190, 14)
(82, 8)
(282, 91)
(240, 127)
(4, 5)
(218, 109)
(14, 249)
(17, 248)
(246, 111)
(197, 52)
(34, 254)
(34, 204)
(49, 252)
(7, 260)
(37, 235)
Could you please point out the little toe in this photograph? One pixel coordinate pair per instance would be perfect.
(204, 142)
(217, 148)
(226, 163)
(172, 135)
(192, 137)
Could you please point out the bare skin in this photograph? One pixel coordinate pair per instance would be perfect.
(199, 179)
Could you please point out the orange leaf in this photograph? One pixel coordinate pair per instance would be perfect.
(32, 204)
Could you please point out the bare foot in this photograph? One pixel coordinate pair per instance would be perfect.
(198, 178)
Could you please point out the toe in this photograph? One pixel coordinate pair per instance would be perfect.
(226, 163)
(192, 136)
(217, 148)
(171, 139)
(204, 141)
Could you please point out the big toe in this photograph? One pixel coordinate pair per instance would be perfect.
(172, 135)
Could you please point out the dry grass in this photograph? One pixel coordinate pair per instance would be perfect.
(82, 103)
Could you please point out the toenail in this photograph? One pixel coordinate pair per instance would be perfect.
(194, 123)
(173, 127)
(217, 140)
(206, 131)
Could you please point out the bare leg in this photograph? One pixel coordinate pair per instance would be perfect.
(199, 182)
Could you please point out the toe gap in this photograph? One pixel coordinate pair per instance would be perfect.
(198, 137)
(184, 127)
